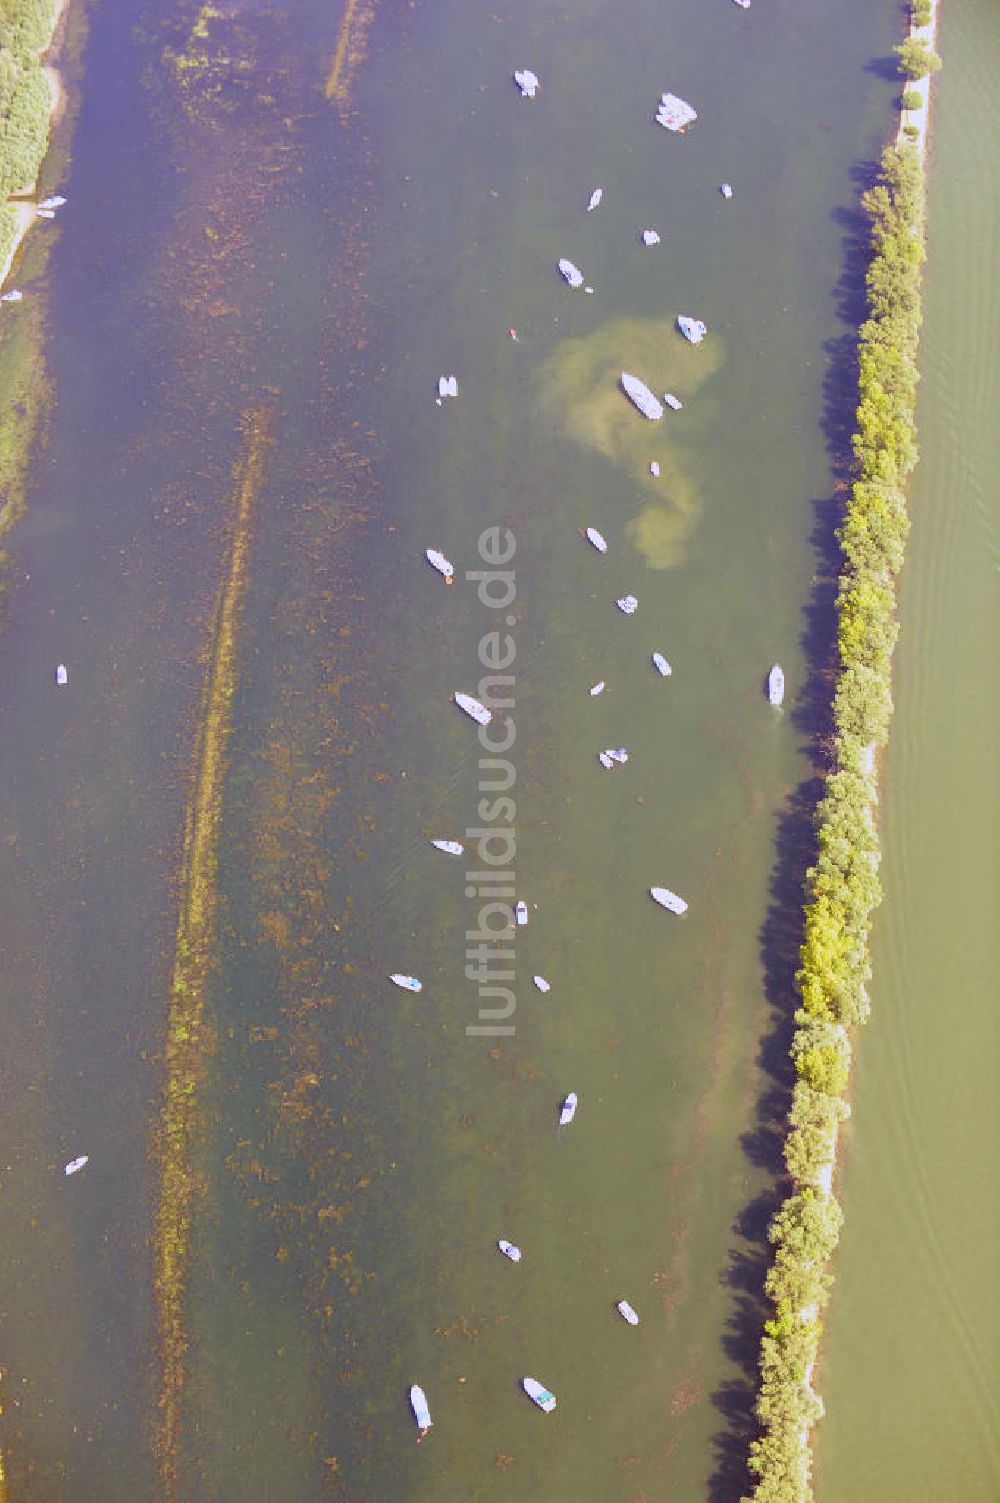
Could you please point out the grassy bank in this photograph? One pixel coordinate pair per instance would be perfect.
(26, 28)
(188, 1038)
(843, 886)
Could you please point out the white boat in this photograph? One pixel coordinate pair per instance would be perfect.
(62, 677)
(627, 1313)
(650, 237)
(478, 711)
(450, 847)
(539, 1394)
(46, 213)
(597, 688)
(616, 754)
(693, 329)
(654, 468)
(661, 665)
(628, 605)
(421, 1413)
(743, 4)
(573, 274)
(408, 983)
(509, 1250)
(447, 386)
(55, 202)
(606, 762)
(567, 1110)
(521, 911)
(638, 392)
(75, 1165)
(776, 685)
(674, 113)
(726, 189)
(672, 401)
(541, 983)
(595, 199)
(443, 565)
(597, 539)
(527, 82)
(668, 899)
(13, 296)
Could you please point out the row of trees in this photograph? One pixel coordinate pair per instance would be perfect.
(25, 26)
(843, 886)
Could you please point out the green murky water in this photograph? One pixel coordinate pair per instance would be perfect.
(914, 1337)
(236, 240)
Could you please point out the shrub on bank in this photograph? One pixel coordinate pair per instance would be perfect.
(920, 12)
(916, 58)
(842, 887)
(911, 99)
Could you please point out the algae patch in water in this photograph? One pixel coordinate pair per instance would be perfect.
(580, 391)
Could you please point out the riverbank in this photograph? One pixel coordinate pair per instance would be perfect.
(20, 211)
(842, 887)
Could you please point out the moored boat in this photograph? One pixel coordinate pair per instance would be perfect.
(75, 1165)
(726, 189)
(527, 82)
(447, 386)
(627, 604)
(62, 677)
(672, 401)
(450, 847)
(473, 707)
(408, 983)
(639, 393)
(542, 984)
(567, 1110)
(521, 911)
(539, 1394)
(668, 899)
(597, 688)
(596, 539)
(776, 685)
(443, 565)
(650, 237)
(573, 274)
(627, 1313)
(693, 329)
(674, 113)
(13, 296)
(421, 1413)
(661, 665)
(595, 199)
(509, 1250)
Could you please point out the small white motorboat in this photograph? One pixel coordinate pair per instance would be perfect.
(606, 762)
(595, 199)
(674, 113)
(628, 605)
(654, 468)
(597, 688)
(541, 983)
(62, 677)
(668, 899)
(627, 1313)
(539, 1394)
(55, 202)
(13, 296)
(443, 565)
(473, 707)
(46, 213)
(521, 911)
(527, 82)
(450, 847)
(726, 189)
(743, 4)
(75, 1165)
(573, 274)
(776, 685)
(447, 386)
(509, 1250)
(639, 393)
(596, 539)
(693, 329)
(421, 1413)
(567, 1110)
(617, 754)
(650, 237)
(408, 983)
(661, 665)
(672, 401)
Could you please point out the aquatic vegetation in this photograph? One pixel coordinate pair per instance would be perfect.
(842, 887)
(188, 1038)
(349, 51)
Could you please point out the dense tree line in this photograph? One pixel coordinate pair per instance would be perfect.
(843, 887)
(25, 26)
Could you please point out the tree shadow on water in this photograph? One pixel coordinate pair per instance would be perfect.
(795, 850)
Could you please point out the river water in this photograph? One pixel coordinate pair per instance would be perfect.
(914, 1341)
(247, 234)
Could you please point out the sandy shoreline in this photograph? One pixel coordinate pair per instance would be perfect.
(920, 117)
(24, 208)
